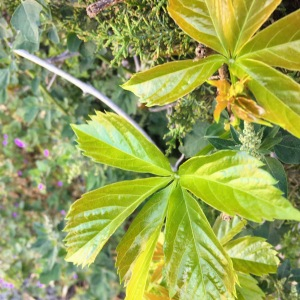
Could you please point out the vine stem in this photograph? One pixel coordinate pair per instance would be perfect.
(86, 89)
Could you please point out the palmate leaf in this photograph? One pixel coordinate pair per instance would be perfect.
(253, 255)
(277, 45)
(95, 217)
(249, 16)
(223, 25)
(197, 267)
(232, 182)
(136, 249)
(111, 140)
(227, 230)
(248, 288)
(168, 82)
(277, 93)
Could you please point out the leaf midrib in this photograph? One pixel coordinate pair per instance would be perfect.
(32, 29)
(131, 155)
(223, 184)
(242, 30)
(135, 203)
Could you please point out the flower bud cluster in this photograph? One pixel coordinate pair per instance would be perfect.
(250, 140)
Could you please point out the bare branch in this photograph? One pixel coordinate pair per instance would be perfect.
(62, 57)
(86, 89)
(162, 108)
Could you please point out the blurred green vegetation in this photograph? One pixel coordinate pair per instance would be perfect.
(40, 179)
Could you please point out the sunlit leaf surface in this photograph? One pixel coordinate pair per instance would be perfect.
(135, 250)
(277, 45)
(232, 182)
(277, 93)
(226, 230)
(111, 140)
(198, 19)
(168, 82)
(252, 255)
(249, 16)
(197, 267)
(96, 215)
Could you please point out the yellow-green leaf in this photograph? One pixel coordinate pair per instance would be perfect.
(168, 82)
(96, 215)
(226, 230)
(197, 267)
(136, 249)
(111, 140)
(277, 45)
(232, 182)
(198, 19)
(252, 255)
(247, 289)
(277, 93)
(248, 18)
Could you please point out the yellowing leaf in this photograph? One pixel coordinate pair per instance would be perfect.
(277, 45)
(136, 249)
(162, 293)
(221, 105)
(232, 182)
(223, 97)
(247, 110)
(111, 140)
(252, 255)
(171, 81)
(242, 107)
(197, 267)
(96, 215)
(277, 93)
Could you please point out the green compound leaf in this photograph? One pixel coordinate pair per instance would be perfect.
(277, 93)
(248, 288)
(278, 45)
(26, 20)
(198, 19)
(252, 255)
(232, 182)
(136, 249)
(227, 230)
(111, 140)
(168, 82)
(96, 216)
(197, 267)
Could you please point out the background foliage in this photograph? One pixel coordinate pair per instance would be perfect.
(42, 173)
